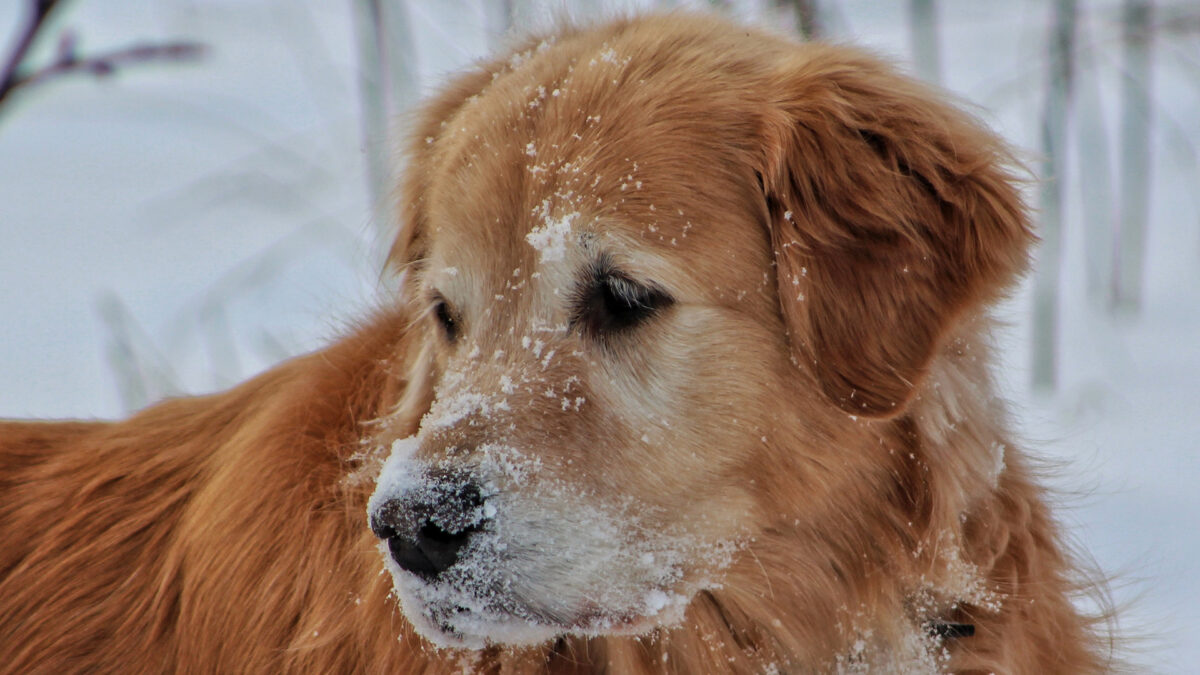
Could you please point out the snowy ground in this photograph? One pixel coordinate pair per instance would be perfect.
(212, 219)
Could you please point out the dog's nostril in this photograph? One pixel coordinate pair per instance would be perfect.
(435, 535)
(432, 551)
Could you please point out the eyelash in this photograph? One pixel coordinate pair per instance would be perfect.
(612, 303)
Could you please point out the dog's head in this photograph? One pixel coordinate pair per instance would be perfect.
(672, 272)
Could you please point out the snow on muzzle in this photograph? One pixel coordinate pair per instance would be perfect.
(501, 551)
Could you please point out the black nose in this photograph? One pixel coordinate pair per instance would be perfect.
(425, 535)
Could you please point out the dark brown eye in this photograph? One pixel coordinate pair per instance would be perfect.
(446, 320)
(610, 302)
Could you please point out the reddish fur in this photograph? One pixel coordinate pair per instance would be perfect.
(221, 534)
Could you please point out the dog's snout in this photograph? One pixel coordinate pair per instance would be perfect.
(426, 535)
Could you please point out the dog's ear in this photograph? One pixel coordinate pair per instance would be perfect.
(891, 214)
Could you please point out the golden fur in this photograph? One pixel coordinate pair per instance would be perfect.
(816, 396)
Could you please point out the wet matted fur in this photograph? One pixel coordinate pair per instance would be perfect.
(701, 313)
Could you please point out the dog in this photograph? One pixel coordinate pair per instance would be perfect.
(688, 373)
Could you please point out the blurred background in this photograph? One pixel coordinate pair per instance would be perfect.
(193, 190)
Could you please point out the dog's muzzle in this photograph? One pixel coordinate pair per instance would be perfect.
(427, 529)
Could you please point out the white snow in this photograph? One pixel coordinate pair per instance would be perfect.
(397, 475)
(604, 567)
(224, 205)
(550, 237)
(453, 408)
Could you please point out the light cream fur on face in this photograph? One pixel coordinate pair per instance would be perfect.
(568, 437)
(614, 463)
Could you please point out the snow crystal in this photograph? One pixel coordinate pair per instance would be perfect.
(517, 59)
(916, 652)
(998, 450)
(448, 411)
(506, 384)
(609, 55)
(550, 238)
(656, 601)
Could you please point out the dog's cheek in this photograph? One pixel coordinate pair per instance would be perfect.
(679, 423)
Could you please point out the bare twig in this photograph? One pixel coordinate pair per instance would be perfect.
(68, 60)
(41, 10)
(106, 63)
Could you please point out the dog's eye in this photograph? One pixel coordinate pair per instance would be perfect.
(612, 302)
(446, 319)
(626, 303)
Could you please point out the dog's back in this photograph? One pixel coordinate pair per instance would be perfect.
(212, 534)
(88, 511)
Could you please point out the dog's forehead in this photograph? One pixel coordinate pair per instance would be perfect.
(556, 164)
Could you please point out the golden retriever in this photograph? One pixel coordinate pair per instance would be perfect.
(689, 374)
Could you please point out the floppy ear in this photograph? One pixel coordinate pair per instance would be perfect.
(892, 214)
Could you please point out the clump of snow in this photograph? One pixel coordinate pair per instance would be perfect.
(909, 646)
(518, 58)
(506, 384)
(550, 238)
(964, 580)
(396, 476)
(917, 652)
(609, 56)
(450, 410)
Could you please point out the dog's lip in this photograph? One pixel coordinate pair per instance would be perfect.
(446, 627)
